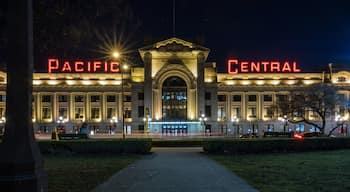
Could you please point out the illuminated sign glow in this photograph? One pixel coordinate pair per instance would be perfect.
(234, 67)
(57, 66)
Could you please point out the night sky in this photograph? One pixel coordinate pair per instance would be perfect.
(313, 33)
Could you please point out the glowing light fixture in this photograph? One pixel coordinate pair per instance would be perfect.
(37, 82)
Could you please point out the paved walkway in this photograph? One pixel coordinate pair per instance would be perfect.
(175, 169)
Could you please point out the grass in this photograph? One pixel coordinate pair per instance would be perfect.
(75, 173)
(327, 171)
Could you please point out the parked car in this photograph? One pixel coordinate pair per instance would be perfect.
(306, 134)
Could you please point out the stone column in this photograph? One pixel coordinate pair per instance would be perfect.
(71, 107)
(200, 83)
(21, 169)
(148, 82)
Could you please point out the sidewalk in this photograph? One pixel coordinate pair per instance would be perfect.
(175, 169)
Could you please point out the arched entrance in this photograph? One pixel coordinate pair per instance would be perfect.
(174, 99)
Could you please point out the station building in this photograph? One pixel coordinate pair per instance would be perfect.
(176, 92)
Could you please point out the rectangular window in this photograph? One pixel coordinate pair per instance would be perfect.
(95, 113)
(267, 98)
(251, 98)
(207, 96)
(268, 112)
(252, 112)
(2, 98)
(63, 112)
(140, 96)
(141, 111)
(221, 112)
(111, 98)
(78, 98)
(111, 113)
(221, 98)
(46, 98)
(2, 112)
(236, 112)
(95, 98)
(127, 113)
(342, 111)
(79, 113)
(208, 111)
(62, 98)
(127, 98)
(46, 113)
(237, 98)
(282, 98)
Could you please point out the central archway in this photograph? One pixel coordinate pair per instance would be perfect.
(174, 99)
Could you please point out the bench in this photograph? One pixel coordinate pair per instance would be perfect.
(69, 136)
(277, 134)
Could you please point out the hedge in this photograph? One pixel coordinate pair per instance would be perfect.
(274, 145)
(178, 143)
(97, 146)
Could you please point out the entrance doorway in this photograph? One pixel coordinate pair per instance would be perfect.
(174, 99)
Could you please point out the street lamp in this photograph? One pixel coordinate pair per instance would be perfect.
(285, 121)
(114, 122)
(203, 119)
(60, 121)
(116, 55)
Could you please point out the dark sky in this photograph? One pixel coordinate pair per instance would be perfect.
(313, 33)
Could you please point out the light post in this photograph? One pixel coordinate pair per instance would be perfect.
(116, 55)
(340, 122)
(114, 122)
(235, 121)
(60, 121)
(284, 120)
(203, 119)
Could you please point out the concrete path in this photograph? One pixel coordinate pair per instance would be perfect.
(175, 169)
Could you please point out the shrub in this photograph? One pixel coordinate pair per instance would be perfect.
(97, 146)
(178, 143)
(274, 145)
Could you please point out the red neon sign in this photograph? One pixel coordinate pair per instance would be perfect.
(57, 66)
(234, 67)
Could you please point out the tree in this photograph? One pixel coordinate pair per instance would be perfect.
(317, 99)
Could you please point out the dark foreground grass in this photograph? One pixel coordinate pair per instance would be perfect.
(326, 171)
(75, 173)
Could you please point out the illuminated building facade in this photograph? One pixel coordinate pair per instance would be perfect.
(176, 92)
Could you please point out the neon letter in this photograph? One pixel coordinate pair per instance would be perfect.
(232, 70)
(97, 64)
(114, 67)
(265, 64)
(275, 65)
(89, 66)
(50, 65)
(286, 67)
(255, 67)
(244, 66)
(106, 68)
(77, 68)
(295, 69)
(66, 67)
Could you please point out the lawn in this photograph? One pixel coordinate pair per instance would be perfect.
(309, 171)
(75, 173)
